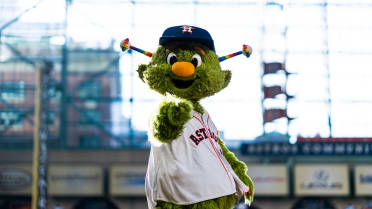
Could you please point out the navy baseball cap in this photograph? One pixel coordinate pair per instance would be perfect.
(187, 33)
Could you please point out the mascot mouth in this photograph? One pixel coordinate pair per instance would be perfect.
(182, 84)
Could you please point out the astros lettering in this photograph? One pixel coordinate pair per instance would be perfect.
(202, 134)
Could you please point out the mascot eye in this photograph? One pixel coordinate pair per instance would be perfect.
(171, 58)
(196, 60)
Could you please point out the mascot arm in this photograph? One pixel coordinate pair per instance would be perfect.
(170, 120)
(240, 168)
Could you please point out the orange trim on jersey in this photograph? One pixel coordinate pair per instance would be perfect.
(218, 156)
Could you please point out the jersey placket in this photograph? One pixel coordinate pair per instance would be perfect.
(201, 121)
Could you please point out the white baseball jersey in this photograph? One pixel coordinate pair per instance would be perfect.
(191, 168)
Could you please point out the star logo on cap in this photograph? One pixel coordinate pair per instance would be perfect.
(187, 28)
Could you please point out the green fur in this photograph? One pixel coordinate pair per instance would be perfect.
(197, 106)
(140, 70)
(169, 122)
(170, 119)
(225, 202)
(209, 78)
(240, 168)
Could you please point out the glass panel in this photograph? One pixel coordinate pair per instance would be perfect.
(13, 92)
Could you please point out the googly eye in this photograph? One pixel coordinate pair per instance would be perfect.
(171, 58)
(196, 60)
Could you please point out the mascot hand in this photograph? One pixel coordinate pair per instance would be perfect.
(178, 114)
(249, 195)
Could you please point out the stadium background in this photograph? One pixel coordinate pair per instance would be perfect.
(299, 113)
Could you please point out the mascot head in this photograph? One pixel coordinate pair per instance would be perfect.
(185, 64)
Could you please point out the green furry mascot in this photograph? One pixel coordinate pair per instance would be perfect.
(189, 165)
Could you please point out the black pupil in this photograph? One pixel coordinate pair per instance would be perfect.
(172, 60)
(194, 61)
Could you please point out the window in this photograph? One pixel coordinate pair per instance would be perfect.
(89, 141)
(90, 117)
(13, 92)
(90, 90)
(11, 119)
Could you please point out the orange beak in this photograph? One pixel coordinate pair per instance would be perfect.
(183, 69)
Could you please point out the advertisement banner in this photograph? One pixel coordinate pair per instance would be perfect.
(321, 180)
(272, 91)
(75, 180)
(326, 148)
(15, 179)
(127, 180)
(273, 114)
(273, 67)
(269, 180)
(363, 180)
